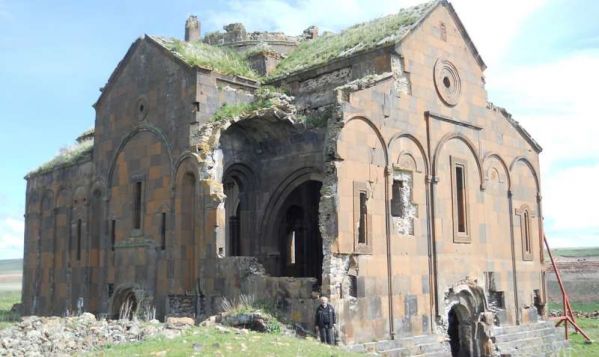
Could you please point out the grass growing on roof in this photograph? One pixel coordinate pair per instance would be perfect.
(66, 156)
(220, 59)
(364, 36)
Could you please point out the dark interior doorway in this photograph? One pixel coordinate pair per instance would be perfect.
(299, 234)
(460, 332)
(124, 305)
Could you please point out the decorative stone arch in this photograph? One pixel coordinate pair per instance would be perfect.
(244, 172)
(33, 205)
(468, 143)
(465, 307)
(376, 132)
(45, 242)
(140, 129)
(184, 249)
(124, 294)
(80, 196)
(526, 162)
(63, 197)
(421, 150)
(187, 161)
(286, 187)
(238, 181)
(99, 185)
(49, 195)
(98, 212)
(487, 166)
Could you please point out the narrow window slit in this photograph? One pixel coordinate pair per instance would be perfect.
(163, 231)
(137, 206)
(112, 234)
(78, 239)
(362, 229)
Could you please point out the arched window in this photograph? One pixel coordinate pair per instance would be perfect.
(526, 232)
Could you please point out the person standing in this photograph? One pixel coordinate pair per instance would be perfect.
(325, 321)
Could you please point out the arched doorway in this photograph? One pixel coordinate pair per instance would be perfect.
(300, 243)
(233, 192)
(468, 306)
(187, 216)
(124, 304)
(460, 331)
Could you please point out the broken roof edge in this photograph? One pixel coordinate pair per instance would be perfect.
(519, 128)
(153, 40)
(363, 83)
(160, 42)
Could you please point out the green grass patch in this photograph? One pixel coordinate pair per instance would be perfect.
(576, 306)
(220, 59)
(577, 345)
(209, 341)
(7, 300)
(263, 99)
(576, 252)
(361, 37)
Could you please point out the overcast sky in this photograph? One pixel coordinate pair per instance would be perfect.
(542, 57)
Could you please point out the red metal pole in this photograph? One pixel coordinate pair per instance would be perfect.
(567, 315)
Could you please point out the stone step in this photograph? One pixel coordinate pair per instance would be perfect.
(529, 327)
(535, 350)
(406, 352)
(546, 346)
(525, 334)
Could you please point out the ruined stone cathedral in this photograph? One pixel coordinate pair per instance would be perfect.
(366, 165)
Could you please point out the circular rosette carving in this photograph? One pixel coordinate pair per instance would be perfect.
(447, 82)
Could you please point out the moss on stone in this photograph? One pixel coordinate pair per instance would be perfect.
(316, 119)
(358, 38)
(220, 59)
(265, 97)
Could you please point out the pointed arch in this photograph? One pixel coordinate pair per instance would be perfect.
(291, 182)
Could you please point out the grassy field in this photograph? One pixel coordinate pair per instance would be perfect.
(576, 252)
(208, 341)
(577, 345)
(576, 306)
(7, 299)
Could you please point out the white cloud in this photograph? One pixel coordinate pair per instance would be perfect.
(493, 25)
(555, 101)
(260, 15)
(11, 237)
